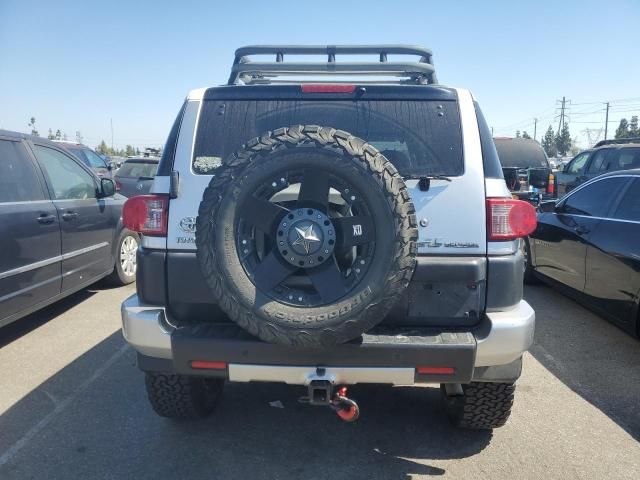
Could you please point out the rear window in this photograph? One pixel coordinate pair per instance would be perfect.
(521, 153)
(137, 169)
(421, 137)
(87, 155)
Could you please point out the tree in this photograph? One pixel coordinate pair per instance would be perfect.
(623, 129)
(138, 151)
(549, 142)
(58, 135)
(517, 133)
(526, 135)
(50, 135)
(633, 127)
(563, 141)
(32, 125)
(129, 152)
(102, 148)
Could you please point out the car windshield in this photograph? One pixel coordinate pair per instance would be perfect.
(88, 156)
(137, 169)
(520, 153)
(420, 137)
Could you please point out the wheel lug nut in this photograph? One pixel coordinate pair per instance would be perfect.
(353, 198)
(326, 250)
(281, 243)
(274, 184)
(362, 262)
(299, 299)
(357, 270)
(282, 180)
(244, 242)
(293, 259)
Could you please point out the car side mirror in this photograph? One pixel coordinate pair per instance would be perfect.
(107, 187)
(547, 207)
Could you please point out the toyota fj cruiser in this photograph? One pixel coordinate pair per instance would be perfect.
(327, 233)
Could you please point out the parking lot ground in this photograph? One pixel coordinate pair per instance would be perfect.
(72, 405)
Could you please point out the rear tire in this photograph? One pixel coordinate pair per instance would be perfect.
(529, 274)
(483, 406)
(124, 269)
(182, 397)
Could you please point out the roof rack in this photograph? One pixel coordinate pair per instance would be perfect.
(248, 72)
(615, 141)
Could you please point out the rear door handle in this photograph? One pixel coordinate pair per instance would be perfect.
(580, 230)
(69, 216)
(45, 218)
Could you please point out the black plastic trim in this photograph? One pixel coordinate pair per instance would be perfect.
(380, 348)
(150, 276)
(168, 153)
(505, 275)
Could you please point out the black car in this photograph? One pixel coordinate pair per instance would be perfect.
(606, 156)
(60, 226)
(525, 168)
(135, 176)
(589, 244)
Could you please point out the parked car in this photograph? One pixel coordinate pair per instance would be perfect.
(60, 226)
(135, 176)
(313, 243)
(588, 243)
(90, 158)
(606, 156)
(526, 169)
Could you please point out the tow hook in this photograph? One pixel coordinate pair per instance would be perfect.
(346, 408)
(320, 394)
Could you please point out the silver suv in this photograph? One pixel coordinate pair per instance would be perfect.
(327, 233)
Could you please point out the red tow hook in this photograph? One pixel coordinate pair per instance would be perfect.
(346, 408)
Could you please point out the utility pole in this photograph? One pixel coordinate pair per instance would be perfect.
(492, 131)
(561, 123)
(535, 127)
(606, 121)
(112, 135)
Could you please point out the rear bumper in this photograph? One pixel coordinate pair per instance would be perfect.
(490, 352)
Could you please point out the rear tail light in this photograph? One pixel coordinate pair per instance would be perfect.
(205, 365)
(327, 88)
(146, 214)
(508, 219)
(551, 187)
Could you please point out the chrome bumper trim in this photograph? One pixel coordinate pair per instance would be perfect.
(510, 336)
(145, 328)
(295, 375)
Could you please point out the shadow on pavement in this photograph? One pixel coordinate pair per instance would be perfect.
(588, 354)
(82, 425)
(24, 325)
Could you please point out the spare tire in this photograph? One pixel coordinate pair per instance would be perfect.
(306, 236)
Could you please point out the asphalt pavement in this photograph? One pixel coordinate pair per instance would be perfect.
(72, 405)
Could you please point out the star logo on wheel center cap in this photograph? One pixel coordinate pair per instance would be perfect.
(306, 236)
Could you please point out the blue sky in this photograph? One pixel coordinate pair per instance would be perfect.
(75, 65)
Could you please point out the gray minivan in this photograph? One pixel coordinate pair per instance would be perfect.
(60, 226)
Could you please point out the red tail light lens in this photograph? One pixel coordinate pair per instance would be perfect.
(204, 365)
(327, 88)
(551, 187)
(508, 219)
(146, 214)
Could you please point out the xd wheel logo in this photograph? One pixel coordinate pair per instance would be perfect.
(357, 230)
